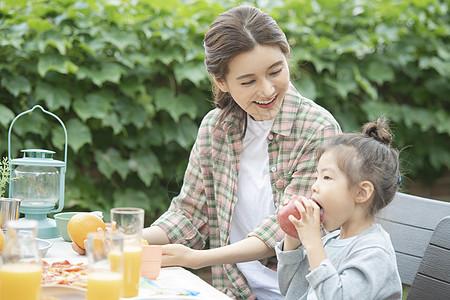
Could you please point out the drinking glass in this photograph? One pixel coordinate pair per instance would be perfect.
(129, 221)
(21, 262)
(105, 266)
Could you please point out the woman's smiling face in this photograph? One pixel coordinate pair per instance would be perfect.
(258, 80)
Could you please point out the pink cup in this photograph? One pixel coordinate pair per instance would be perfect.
(151, 261)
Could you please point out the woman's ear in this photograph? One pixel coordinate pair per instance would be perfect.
(222, 86)
(365, 192)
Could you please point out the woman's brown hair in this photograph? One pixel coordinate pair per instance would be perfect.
(235, 31)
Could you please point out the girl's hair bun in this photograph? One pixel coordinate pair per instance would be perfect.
(378, 130)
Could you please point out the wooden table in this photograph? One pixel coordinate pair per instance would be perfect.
(170, 279)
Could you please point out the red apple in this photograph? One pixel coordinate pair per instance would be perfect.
(283, 218)
(286, 211)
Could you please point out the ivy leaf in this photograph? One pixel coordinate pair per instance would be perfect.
(54, 39)
(131, 113)
(105, 161)
(112, 120)
(39, 24)
(443, 68)
(365, 84)
(130, 86)
(6, 115)
(16, 85)
(344, 82)
(175, 106)
(379, 72)
(56, 63)
(78, 134)
(307, 87)
(101, 72)
(194, 71)
(111, 161)
(183, 133)
(96, 105)
(54, 97)
(146, 164)
(58, 138)
(120, 38)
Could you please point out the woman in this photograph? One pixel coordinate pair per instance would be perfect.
(255, 147)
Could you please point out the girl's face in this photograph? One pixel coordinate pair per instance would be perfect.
(331, 191)
(258, 80)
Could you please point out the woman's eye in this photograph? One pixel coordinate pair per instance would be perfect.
(248, 82)
(276, 72)
(326, 177)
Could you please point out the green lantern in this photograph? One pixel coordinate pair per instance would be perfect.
(40, 182)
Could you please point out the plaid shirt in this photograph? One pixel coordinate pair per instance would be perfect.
(203, 209)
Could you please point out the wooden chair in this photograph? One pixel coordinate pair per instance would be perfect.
(432, 280)
(410, 221)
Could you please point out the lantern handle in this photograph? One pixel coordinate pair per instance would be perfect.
(63, 169)
(47, 112)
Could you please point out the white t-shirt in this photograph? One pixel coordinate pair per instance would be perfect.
(255, 203)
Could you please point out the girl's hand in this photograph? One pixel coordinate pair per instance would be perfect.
(308, 227)
(78, 249)
(180, 255)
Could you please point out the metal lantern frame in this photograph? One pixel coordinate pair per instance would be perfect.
(47, 227)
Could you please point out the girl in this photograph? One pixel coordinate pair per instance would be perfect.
(358, 174)
(257, 144)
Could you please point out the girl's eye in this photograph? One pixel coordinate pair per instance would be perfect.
(276, 72)
(248, 82)
(326, 177)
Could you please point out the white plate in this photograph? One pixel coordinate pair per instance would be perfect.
(64, 292)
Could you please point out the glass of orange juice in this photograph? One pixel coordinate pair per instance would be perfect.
(105, 275)
(20, 262)
(129, 221)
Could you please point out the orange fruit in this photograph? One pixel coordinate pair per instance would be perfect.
(2, 240)
(81, 224)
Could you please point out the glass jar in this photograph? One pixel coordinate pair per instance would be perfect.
(37, 186)
(21, 262)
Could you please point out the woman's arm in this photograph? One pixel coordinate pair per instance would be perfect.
(248, 249)
(154, 235)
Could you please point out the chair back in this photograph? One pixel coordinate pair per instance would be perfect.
(410, 221)
(432, 280)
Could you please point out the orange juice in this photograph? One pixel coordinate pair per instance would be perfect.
(20, 281)
(114, 261)
(104, 285)
(131, 271)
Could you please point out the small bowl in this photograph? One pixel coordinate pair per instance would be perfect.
(43, 246)
(62, 219)
(61, 224)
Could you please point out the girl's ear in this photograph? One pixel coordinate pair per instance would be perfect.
(365, 192)
(222, 86)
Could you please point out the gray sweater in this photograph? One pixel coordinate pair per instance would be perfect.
(365, 269)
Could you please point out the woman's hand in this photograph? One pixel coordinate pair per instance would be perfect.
(180, 255)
